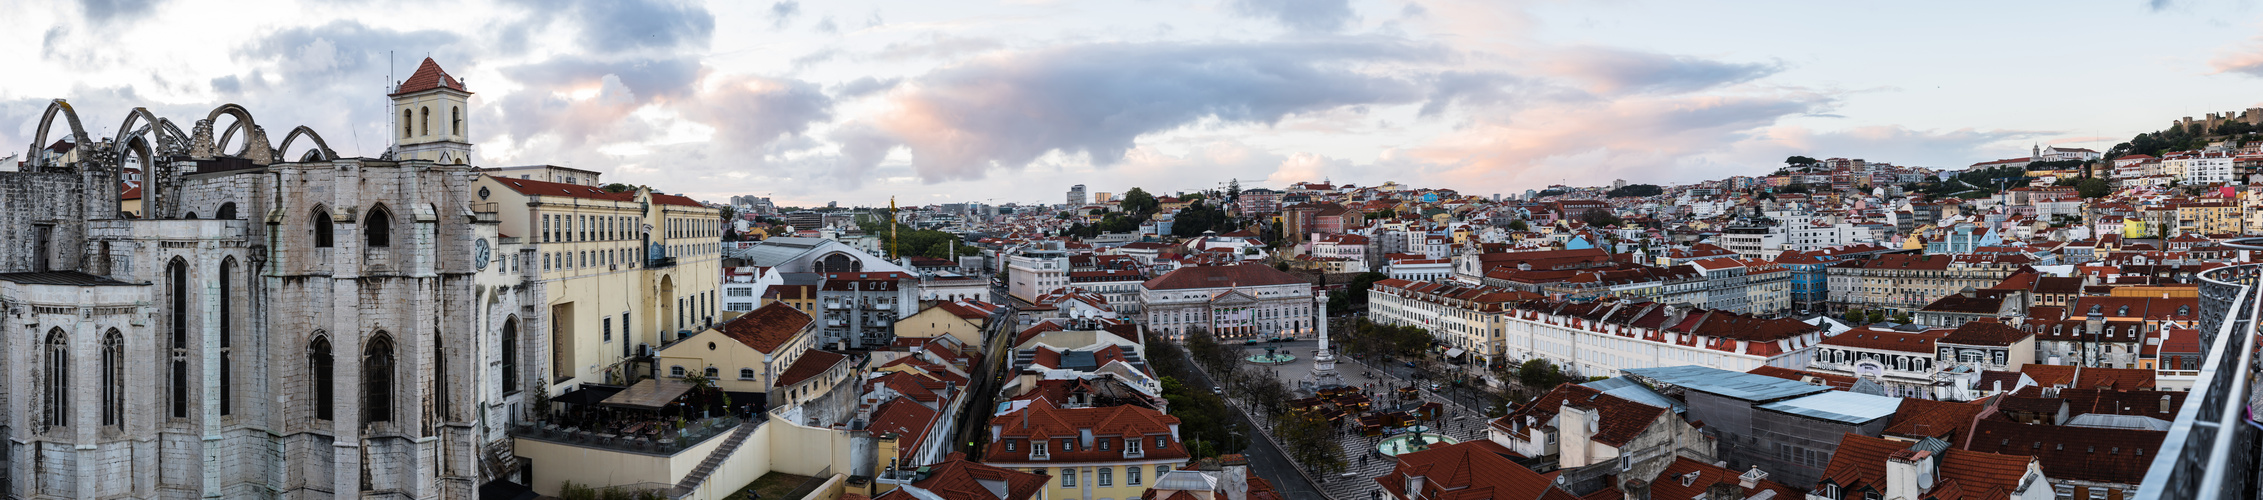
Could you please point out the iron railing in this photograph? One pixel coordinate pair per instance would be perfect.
(2211, 450)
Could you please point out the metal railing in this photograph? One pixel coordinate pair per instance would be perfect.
(2211, 450)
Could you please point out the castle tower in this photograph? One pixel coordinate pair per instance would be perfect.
(429, 110)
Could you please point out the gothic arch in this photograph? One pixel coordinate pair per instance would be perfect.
(321, 148)
(169, 137)
(256, 148)
(39, 138)
(377, 376)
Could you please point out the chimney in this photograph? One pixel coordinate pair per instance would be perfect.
(1907, 475)
(2165, 404)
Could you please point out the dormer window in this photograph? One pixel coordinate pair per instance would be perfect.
(1009, 445)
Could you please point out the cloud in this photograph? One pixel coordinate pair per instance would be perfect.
(612, 27)
(102, 12)
(750, 112)
(2247, 59)
(1320, 16)
(940, 47)
(1556, 141)
(864, 86)
(1618, 71)
(1004, 111)
(783, 12)
(331, 57)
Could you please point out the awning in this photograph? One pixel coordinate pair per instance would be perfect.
(1454, 352)
(587, 394)
(651, 394)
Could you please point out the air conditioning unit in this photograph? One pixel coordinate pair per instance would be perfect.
(644, 349)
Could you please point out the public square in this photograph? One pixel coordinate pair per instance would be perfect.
(1363, 462)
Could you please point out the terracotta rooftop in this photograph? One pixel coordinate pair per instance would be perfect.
(1239, 275)
(429, 76)
(1467, 471)
(767, 327)
(1887, 340)
(2082, 454)
(809, 365)
(1986, 333)
(960, 479)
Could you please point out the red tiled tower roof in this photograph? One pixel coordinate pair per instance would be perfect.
(428, 76)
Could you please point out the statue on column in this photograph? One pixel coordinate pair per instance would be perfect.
(1324, 374)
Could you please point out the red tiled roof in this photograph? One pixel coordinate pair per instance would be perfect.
(767, 327)
(669, 199)
(1467, 471)
(1986, 333)
(1040, 420)
(809, 365)
(2070, 453)
(1887, 340)
(1687, 478)
(905, 418)
(532, 187)
(429, 76)
(1221, 277)
(1621, 419)
(1938, 419)
(959, 479)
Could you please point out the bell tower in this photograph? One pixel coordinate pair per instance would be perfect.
(429, 112)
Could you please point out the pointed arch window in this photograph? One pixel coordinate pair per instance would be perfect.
(456, 123)
(405, 123)
(178, 274)
(377, 380)
(322, 230)
(113, 378)
(227, 327)
(510, 354)
(424, 121)
(55, 376)
(321, 364)
(377, 229)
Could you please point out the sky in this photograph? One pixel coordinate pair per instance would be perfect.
(858, 101)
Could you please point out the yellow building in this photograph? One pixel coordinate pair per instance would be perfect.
(748, 354)
(623, 273)
(2207, 218)
(2133, 227)
(960, 321)
(1113, 452)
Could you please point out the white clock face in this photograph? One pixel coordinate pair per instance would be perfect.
(480, 254)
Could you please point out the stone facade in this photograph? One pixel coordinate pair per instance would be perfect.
(296, 330)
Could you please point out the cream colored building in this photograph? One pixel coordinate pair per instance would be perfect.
(622, 273)
(747, 354)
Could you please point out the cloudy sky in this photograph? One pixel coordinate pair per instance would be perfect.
(856, 101)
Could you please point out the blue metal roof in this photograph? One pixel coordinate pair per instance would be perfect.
(1840, 406)
(1628, 389)
(1738, 385)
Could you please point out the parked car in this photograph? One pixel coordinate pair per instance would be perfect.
(1410, 364)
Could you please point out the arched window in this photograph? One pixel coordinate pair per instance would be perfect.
(227, 325)
(56, 377)
(377, 380)
(378, 227)
(510, 354)
(318, 356)
(178, 274)
(322, 231)
(405, 118)
(456, 125)
(424, 121)
(227, 212)
(746, 373)
(676, 371)
(113, 378)
(712, 373)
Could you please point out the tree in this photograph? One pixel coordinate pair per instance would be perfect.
(1635, 190)
(1519, 225)
(1309, 439)
(617, 188)
(1800, 161)
(1600, 217)
(1233, 190)
(1539, 374)
(2092, 188)
(1137, 201)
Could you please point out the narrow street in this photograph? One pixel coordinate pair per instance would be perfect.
(1265, 459)
(997, 351)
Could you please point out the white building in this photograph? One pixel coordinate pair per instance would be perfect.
(1036, 269)
(1237, 301)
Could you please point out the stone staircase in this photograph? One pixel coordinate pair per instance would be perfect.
(707, 467)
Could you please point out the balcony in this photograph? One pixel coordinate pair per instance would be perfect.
(2211, 450)
(484, 212)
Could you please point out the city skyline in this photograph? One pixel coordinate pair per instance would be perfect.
(858, 101)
